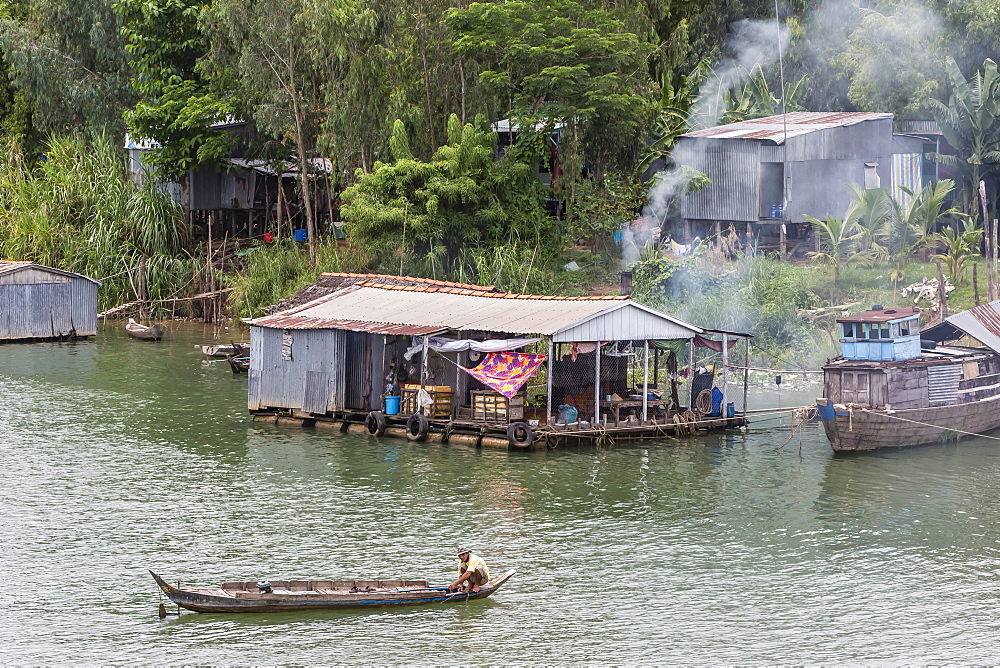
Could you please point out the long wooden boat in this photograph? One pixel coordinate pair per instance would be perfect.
(298, 595)
(144, 332)
(226, 349)
(895, 386)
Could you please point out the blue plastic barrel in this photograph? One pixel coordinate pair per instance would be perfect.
(775, 211)
(392, 405)
(301, 235)
(618, 236)
(730, 410)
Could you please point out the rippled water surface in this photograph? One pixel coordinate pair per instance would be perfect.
(120, 455)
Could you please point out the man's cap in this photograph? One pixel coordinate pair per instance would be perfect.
(462, 550)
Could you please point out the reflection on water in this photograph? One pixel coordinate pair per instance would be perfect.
(123, 455)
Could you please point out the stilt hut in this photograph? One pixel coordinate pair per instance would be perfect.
(39, 303)
(425, 358)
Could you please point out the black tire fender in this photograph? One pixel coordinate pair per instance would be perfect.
(375, 423)
(519, 435)
(416, 427)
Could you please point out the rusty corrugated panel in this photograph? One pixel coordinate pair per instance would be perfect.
(981, 323)
(299, 322)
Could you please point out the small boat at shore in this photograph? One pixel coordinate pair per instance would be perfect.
(226, 349)
(895, 386)
(239, 364)
(144, 332)
(298, 595)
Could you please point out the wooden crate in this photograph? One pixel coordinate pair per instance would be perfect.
(440, 395)
(491, 406)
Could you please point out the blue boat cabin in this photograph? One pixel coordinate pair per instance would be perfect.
(881, 335)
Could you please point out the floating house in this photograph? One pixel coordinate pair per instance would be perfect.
(431, 359)
(768, 174)
(40, 303)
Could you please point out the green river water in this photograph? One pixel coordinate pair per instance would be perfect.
(119, 455)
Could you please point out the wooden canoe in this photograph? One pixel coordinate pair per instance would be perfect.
(298, 595)
(144, 332)
(227, 349)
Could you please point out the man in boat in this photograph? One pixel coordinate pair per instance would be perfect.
(473, 572)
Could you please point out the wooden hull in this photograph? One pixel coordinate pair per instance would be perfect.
(154, 333)
(225, 350)
(217, 599)
(239, 364)
(869, 429)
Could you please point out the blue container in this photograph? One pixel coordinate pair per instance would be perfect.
(301, 235)
(716, 403)
(619, 235)
(730, 410)
(392, 405)
(775, 211)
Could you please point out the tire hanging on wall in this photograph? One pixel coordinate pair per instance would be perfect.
(375, 423)
(519, 435)
(416, 427)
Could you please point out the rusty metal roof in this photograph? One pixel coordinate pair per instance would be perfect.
(780, 127)
(981, 323)
(372, 306)
(882, 315)
(11, 266)
(330, 282)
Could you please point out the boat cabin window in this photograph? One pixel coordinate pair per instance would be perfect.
(854, 330)
(878, 330)
(904, 327)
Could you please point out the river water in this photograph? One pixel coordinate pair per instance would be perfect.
(120, 455)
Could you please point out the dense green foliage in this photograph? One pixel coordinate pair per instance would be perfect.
(400, 97)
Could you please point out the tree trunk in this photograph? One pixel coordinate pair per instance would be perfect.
(303, 166)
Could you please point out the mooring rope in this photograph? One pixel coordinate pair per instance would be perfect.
(927, 424)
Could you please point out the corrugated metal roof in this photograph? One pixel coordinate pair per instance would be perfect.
(778, 128)
(981, 323)
(300, 322)
(369, 304)
(11, 266)
(882, 315)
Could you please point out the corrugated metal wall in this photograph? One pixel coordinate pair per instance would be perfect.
(818, 167)
(907, 171)
(734, 167)
(312, 381)
(50, 309)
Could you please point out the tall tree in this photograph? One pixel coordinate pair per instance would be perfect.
(568, 64)
(176, 108)
(69, 58)
(264, 50)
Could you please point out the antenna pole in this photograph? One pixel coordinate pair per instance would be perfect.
(784, 118)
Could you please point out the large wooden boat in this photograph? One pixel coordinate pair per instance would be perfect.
(239, 364)
(895, 386)
(144, 332)
(297, 595)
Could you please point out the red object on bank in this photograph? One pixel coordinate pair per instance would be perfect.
(268, 237)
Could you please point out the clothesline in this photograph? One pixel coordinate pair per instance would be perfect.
(788, 371)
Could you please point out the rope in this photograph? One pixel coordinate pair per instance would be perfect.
(788, 371)
(800, 416)
(928, 424)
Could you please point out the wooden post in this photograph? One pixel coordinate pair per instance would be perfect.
(942, 293)
(725, 374)
(784, 242)
(691, 374)
(746, 376)
(597, 383)
(975, 282)
(423, 371)
(645, 381)
(548, 383)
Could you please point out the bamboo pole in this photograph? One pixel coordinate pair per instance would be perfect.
(746, 376)
(548, 383)
(597, 382)
(645, 381)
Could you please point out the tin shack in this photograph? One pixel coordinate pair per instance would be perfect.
(768, 174)
(39, 303)
(446, 361)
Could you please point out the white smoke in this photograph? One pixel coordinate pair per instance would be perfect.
(751, 43)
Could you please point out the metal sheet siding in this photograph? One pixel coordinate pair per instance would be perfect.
(906, 171)
(734, 168)
(282, 384)
(53, 308)
(628, 323)
(942, 383)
